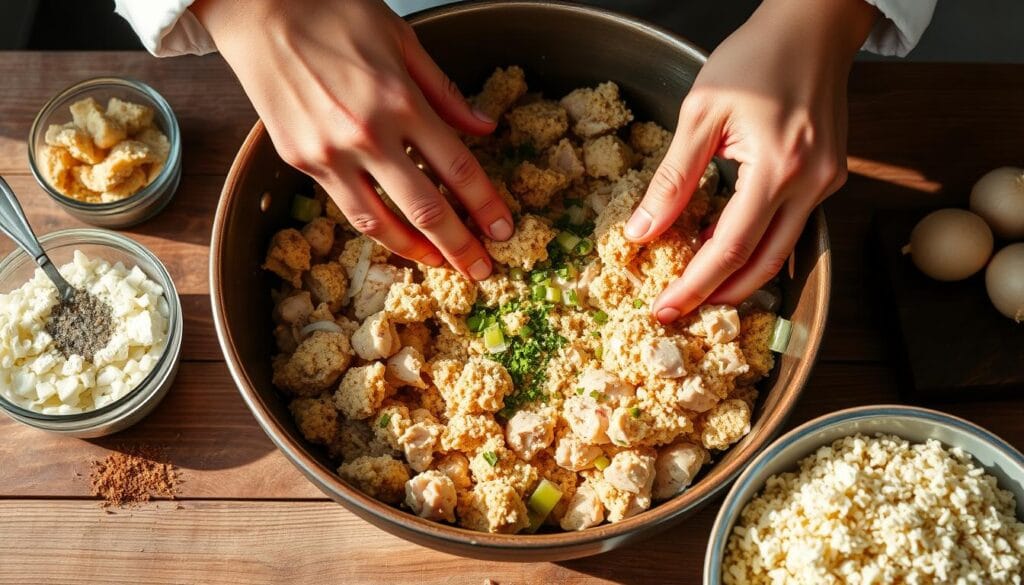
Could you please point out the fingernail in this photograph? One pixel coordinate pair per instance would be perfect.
(639, 224)
(501, 229)
(668, 315)
(479, 270)
(433, 259)
(483, 117)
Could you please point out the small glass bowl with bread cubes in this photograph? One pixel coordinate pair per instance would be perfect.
(108, 150)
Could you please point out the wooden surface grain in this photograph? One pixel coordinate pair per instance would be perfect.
(919, 136)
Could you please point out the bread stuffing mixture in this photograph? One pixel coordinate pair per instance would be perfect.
(104, 154)
(547, 393)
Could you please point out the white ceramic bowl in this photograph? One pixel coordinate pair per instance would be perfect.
(917, 425)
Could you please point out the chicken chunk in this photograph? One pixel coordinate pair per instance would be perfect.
(500, 91)
(566, 159)
(316, 418)
(536, 186)
(607, 157)
(663, 357)
(288, 256)
(584, 511)
(596, 382)
(376, 338)
(587, 419)
(371, 297)
(675, 468)
(527, 433)
(328, 284)
(716, 323)
(451, 291)
(362, 247)
(596, 111)
(539, 124)
(378, 477)
(405, 368)
(408, 302)
(573, 454)
(89, 116)
(315, 366)
(456, 467)
(695, 395)
(526, 247)
(419, 442)
(361, 391)
(625, 428)
(320, 235)
(631, 471)
(416, 336)
(431, 495)
(493, 506)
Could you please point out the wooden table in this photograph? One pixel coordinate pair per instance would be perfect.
(920, 135)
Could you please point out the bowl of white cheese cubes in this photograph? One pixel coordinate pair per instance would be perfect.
(95, 367)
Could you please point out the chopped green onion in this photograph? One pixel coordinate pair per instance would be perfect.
(635, 412)
(596, 395)
(638, 304)
(779, 340)
(600, 317)
(579, 391)
(525, 332)
(595, 334)
(601, 462)
(384, 420)
(553, 294)
(494, 339)
(305, 208)
(583, 248)
(576, 215)
(568, 271)
(572, 298)
(517, 273)
(538, 291)
(543, 499)
(491, 458)
(567, 241)
(475, 322)
(599, 352)
(539, 277)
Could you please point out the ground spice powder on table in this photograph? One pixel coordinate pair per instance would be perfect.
(134, 475)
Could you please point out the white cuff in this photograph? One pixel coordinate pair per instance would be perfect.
(902, 27)
(166, 27)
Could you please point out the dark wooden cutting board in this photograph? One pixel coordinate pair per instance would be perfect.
(954, 343)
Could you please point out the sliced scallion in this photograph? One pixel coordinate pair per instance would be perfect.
(491, 458)
(779, 340)
(305, 209)
(525, 332)
(638, 304)
(635, 412)
(384, 420)
(475, 322)
(539, 277)
(571, 298)
(538, 291)
(494, 339)
(600, 317)
(567, 241)
(583, 247)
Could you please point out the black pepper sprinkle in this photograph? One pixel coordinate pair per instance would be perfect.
(80, 326)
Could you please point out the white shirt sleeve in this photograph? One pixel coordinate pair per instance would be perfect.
(166, 27)
(902, 26)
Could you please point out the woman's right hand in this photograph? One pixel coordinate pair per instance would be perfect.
(343, 88)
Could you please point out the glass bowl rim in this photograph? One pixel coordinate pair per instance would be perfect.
(109, 239)
(149, 191)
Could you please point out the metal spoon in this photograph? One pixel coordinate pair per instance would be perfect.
(14, 223)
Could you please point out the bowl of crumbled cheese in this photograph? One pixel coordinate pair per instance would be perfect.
(108, 150)
(876, 494)
(100, 361)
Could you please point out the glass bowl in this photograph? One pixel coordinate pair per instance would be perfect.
(133, 209)
(17, 268)
(914, 424)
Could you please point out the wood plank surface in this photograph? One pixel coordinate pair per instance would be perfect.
(920, 135)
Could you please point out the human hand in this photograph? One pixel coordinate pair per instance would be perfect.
(343, 88)
(773, 98)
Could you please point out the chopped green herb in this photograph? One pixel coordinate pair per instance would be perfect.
(540, 277)
(525, 331)
(595, 334)
(638, 304)
(384, 420)
(599, 352)
(538, 292)
(491, 458)
(579, 391)
(475, 322)
(572, 298)
(635, 412)
(596, 395)
(600, 317)
(583, 247)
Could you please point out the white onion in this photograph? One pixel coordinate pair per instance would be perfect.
(950, 244)
(328, 326)
(361, 268)
(998, 197)
(1004, 280)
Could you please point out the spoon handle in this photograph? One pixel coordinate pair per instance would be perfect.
(14, 223)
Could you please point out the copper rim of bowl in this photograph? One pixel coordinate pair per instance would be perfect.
(111, 239)
(713, 482)
(732, 506)
(154, 188)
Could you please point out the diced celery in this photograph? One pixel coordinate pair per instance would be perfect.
(601, 462)
(543, 499)
(567, 240)
(538, 291)
(583, 248)
(553, 294)
(494, 339)
(571, 298)
(305, 208)
(779, 340)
